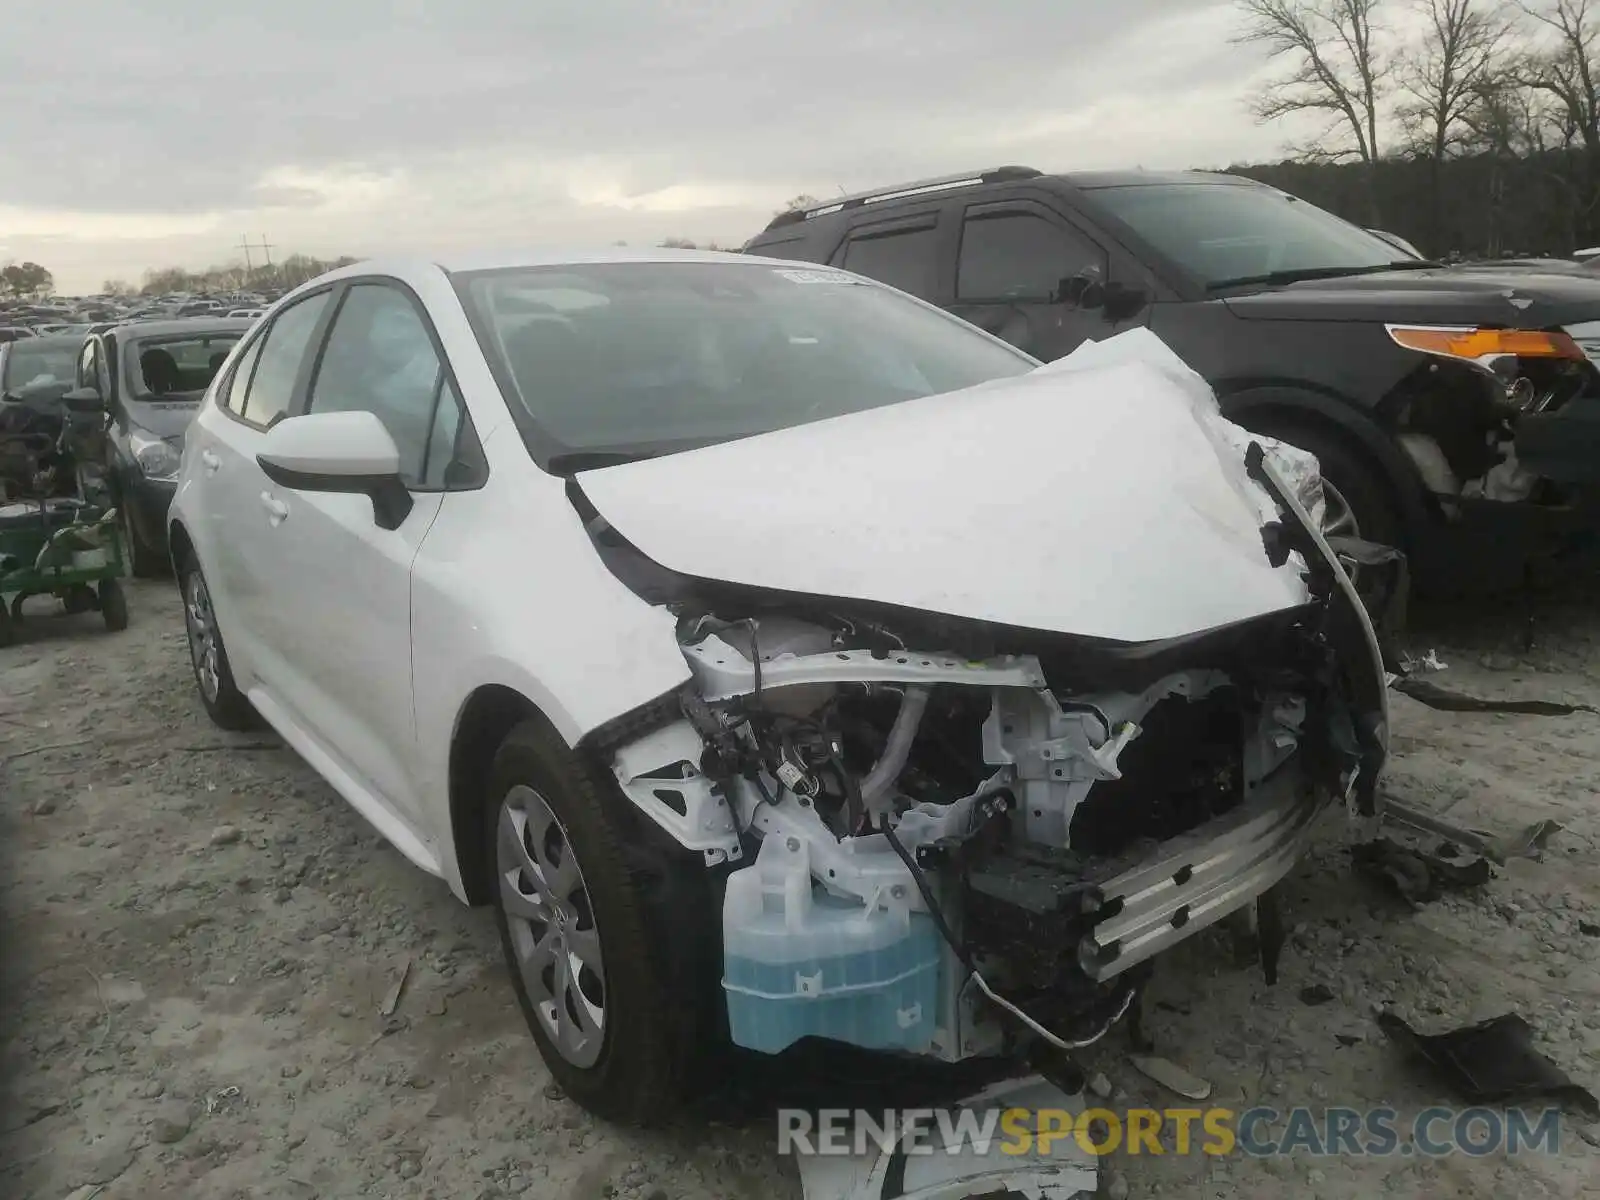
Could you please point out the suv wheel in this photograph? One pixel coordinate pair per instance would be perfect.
(225, 704)
(578, 936)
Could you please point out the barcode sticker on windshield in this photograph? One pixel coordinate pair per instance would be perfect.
(812, 276)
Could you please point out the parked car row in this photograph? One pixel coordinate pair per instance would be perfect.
(146, 379)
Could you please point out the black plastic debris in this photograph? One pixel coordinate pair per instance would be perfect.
(1425, 691)
(1492, 1062)
(1588, 929)
(1416, 875)
(1315, 994)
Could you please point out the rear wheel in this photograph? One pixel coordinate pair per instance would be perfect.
(144, 561)
(114, 605)
(8, 630)
(224, 702)
(583, 946)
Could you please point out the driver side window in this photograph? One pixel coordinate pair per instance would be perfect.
(1016, 255)
(379, 358)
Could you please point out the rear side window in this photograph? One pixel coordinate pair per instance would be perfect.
(901, 258)
(277, 364)
(232, 397)
(1015, 256)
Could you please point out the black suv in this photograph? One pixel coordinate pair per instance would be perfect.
(1456, 412)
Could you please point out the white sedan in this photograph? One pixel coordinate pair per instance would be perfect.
(782, 657)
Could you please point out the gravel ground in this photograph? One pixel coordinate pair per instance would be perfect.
(200, 935)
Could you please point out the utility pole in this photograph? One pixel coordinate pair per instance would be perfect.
(244, 244)
(266, 249)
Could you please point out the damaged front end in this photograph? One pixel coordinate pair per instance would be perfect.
(951, 837)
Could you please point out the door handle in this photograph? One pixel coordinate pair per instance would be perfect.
(277, 510)
(210, 462)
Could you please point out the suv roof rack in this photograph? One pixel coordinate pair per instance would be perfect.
(896, 191)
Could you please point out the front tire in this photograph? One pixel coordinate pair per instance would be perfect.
(224, 703)
(144, 561)
(575, 926)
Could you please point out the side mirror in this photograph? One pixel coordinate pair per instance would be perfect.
(339, 452)
(1083, 290)
(83, 400)
(1122, 301)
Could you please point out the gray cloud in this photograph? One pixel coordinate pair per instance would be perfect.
(181, 107)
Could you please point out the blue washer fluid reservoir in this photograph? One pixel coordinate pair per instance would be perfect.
(801, 962)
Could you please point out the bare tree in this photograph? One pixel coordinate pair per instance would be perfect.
(803, 200)
(1564, 68)
(1336, 70)
(1442, 78)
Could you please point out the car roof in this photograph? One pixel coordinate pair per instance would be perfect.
(53, 339)
(179, 327)
(1090, 180)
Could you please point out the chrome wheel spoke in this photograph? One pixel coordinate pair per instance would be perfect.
(585, 947)
(202, 631)
(555, 946)
(522, 905)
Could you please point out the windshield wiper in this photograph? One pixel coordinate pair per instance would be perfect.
(1305, 273)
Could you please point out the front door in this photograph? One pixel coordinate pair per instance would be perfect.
(345, 607)
(1021, 273)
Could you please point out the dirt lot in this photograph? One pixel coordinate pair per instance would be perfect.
(199, 936)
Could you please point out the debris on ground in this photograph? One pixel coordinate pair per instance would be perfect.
(391, 999)
(1171, 1076)
(1445, 700)
(1493, 1061)
(1418, 876)
(1530, 843)
(1316, 994)
(1427, 662)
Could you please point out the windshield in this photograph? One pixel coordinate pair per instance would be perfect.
(1224, 232)
(179, 367)
(36, 362)
(652, 357)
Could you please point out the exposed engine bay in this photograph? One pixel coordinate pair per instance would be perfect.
(946, 837)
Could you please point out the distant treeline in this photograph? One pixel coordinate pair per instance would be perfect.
(1489, 206)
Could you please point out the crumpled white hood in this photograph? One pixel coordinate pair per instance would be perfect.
(1102, 495)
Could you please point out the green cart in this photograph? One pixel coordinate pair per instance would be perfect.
(64, 548)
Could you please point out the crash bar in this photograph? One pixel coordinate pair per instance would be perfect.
(937, 183)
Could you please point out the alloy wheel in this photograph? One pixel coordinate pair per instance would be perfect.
(552, 926)
(201, 622)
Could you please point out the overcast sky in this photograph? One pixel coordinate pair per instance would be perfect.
(161, 132)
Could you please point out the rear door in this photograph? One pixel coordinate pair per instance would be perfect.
(906, 250)
(233, 536)
(1013, 267)
(346, 608)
